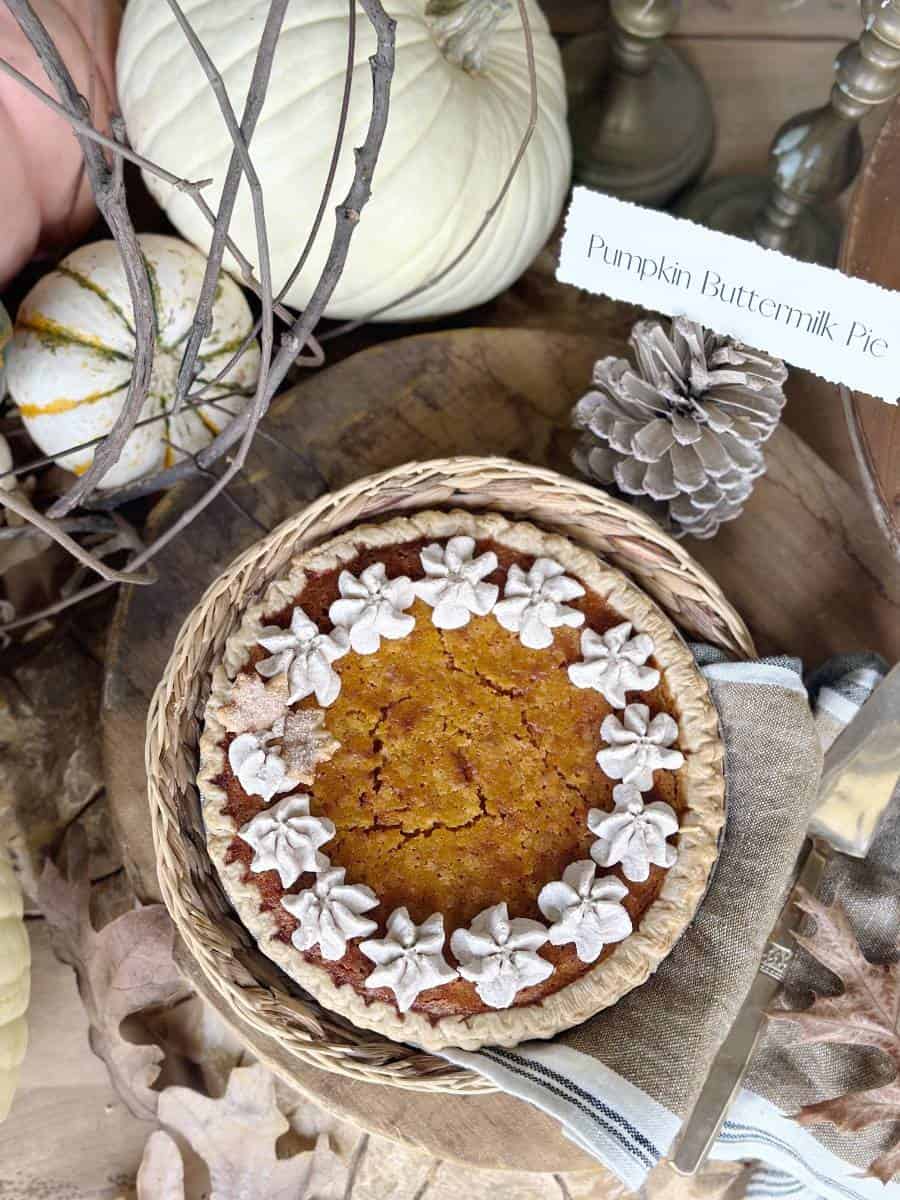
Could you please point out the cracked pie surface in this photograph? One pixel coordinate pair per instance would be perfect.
(461, 779)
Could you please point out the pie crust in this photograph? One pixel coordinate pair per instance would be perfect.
(701, 785)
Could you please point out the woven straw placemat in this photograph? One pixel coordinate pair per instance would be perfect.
(227, 961)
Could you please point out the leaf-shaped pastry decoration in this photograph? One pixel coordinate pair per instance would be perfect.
(306, 743)
(236, 1136)
(123, 968)
(254, 704)
(865, 1013)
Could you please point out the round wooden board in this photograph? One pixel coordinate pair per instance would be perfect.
(871, 250)
(828, 586)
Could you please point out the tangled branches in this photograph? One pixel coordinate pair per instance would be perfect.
(104, 156)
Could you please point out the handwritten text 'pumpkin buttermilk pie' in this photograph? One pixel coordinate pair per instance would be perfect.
(461, 779)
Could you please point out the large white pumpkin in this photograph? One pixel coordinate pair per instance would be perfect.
(452, 134)
(73, 349)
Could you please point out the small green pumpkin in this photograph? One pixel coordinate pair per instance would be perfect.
(73, 356)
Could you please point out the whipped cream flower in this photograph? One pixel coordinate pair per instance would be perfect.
(330, 914)
(305, 655)
(585, 910)
(634, 834)
(258, 767)
(638, 746)
(287, 839)
(372, 607)
(454, 586)
(613, 663)
(500, 956)
(410, 959)
(533, 604)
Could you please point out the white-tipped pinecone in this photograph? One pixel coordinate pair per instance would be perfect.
(685, 425)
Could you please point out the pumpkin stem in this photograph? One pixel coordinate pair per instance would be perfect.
(463, 28)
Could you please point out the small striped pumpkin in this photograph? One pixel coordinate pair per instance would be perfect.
(73, 350)
(15, 981)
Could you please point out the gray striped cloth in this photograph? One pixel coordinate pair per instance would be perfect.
(623, 1083)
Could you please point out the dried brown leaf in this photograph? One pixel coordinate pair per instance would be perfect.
(236, 1137)
(886, 1165)
(855, 1112)
(122, 969)
(866, 1013)
(161, 1173)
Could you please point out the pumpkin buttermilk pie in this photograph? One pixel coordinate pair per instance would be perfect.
(461, 779)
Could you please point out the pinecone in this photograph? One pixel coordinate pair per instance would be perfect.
(684, 427)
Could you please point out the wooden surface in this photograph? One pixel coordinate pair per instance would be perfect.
(803, 564)
(872, 251)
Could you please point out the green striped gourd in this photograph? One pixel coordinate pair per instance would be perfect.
(73, 351)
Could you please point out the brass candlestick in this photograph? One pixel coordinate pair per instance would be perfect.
(641, 120)
(815, 155)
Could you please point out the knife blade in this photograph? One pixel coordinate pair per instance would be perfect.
(860, 774)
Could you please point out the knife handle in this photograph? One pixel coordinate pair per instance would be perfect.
(729, 1067)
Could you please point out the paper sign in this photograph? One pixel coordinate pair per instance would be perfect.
(844, 329)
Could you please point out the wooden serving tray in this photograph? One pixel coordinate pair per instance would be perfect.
(804, 566)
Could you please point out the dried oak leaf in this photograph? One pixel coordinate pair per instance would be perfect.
(866, 1013)
(161, 1173)
(122, 969)
(235, 1136)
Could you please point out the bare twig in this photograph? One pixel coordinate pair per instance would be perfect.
(318, 356)
(240, 163)
(110, 198)
(90, 523)
(356, 1161)
(24, 508)
(117, 537)
(335, 153)
(428, 1179)
(563, 1187)
(89, 131)
(349, 326)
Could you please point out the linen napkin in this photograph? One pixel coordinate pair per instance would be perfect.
(622, 1083)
